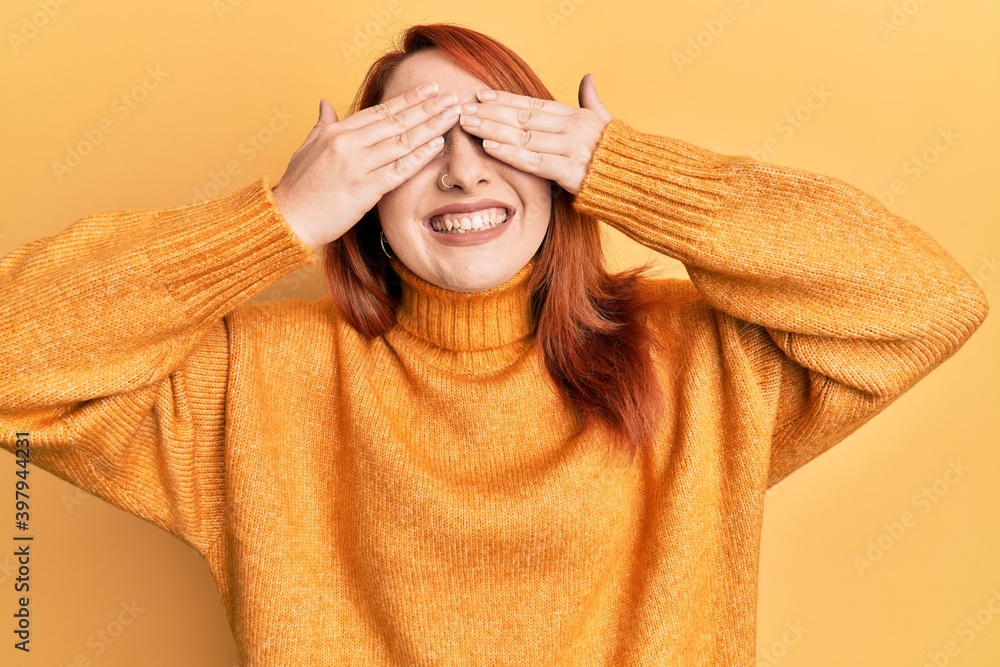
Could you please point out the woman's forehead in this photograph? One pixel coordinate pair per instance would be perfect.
(433, 65)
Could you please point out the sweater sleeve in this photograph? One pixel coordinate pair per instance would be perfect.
(839, 305)
(114, 349)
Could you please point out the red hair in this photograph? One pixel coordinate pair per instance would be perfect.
(591, 331)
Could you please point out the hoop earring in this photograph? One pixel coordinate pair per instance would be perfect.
(382, 241)
(445, 184)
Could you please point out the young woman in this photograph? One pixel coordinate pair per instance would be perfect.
(482, 448)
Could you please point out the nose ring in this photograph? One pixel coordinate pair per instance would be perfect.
(445, 184)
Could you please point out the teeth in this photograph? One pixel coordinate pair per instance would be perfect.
(484, 219)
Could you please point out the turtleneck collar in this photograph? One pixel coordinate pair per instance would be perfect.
(465, 321)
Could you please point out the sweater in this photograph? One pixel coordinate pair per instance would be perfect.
(417, 498)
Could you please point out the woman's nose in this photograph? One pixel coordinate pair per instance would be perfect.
(465, 161)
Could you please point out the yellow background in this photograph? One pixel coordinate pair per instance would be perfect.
(893, 74)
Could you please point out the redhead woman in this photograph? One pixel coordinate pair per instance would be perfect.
(481, 448)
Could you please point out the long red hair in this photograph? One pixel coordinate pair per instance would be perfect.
(591, 328)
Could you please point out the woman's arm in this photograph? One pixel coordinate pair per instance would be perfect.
(851, 303)
(114, 351)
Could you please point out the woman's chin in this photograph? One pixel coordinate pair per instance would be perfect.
(478, 283)
(459, 276)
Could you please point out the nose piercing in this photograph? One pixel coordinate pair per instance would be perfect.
(445, 184)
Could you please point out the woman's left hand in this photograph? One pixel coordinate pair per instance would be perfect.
(541, 137)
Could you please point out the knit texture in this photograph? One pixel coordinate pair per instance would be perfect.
(417, 499)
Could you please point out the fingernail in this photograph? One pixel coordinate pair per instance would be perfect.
(447, 100)
(489, 143)
(470, 121)
(428, 89)
(486, 95)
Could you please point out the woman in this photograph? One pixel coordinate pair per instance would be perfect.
(481, 448)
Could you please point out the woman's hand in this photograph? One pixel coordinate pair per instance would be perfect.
(345, 166)
(542, 137)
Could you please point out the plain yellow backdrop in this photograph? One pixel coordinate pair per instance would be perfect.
(900, 98)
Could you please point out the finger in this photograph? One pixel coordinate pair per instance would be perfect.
(327, 115)
(397, 172)
(539, 142)
(540, 164)
(522, 117)
(589, 99)
(397, 146)
(505, 98)
(385, 109)
(399, 123)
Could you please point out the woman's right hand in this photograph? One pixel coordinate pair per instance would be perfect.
(345, 166)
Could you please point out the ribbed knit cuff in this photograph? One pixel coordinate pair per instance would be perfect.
(216, 254)
(661, 192)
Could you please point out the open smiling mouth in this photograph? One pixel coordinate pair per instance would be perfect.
(470, 223)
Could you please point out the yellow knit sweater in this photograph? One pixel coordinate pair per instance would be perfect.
(415, 499)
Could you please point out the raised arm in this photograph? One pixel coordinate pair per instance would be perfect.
(114, 349)
(841, 305)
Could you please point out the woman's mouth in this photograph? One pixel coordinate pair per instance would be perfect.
(471, 222)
